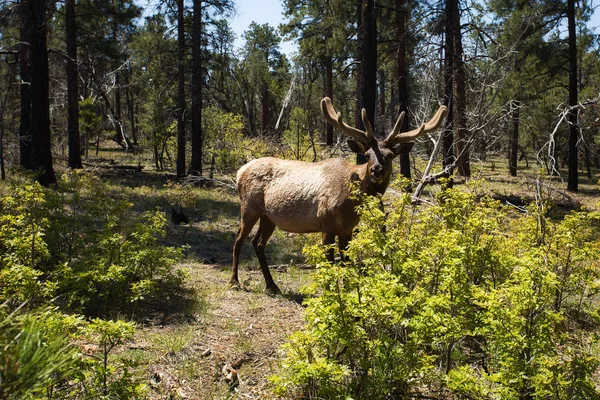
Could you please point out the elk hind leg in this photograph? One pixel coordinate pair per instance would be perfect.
(265, 230)
(328, 240)
(247, 222)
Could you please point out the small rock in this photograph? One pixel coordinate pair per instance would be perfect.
(206, 353)
(231, 375)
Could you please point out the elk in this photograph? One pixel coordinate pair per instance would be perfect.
(303, 197)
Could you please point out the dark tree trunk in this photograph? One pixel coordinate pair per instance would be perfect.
(196, 161)
(180, 90)
(573, 180)
(130, 107)
(402, 79)
(381, 96)
(264, 109)
(367, 53)
(462, 133)
(2, 171)
(514, 139)
(329, 90)
(448, 130)
(25, 146)
(72, 87)
(40, 103)
(119, 135)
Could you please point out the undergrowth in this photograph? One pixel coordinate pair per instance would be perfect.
(463, 299)
(71, 257)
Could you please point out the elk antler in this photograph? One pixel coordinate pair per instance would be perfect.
(395, 137)
(335, 119)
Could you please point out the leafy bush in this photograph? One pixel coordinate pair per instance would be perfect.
(85, 246)
(459, 300)
(226, 142)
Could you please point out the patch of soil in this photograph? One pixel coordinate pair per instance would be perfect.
(234, 345)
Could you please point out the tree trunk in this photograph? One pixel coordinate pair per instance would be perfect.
(72, 87)
(462, 134)
(2, 171)
(40, 102)
(367, 53)
(381, 97)
(130, 107)
(448, 130)
(180, 90)
(25, 146)
(197, 139)
(573, 179)
(329, 90)
(264, 108)
(514, 139)
(402, 72)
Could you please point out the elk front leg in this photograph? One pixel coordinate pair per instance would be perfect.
(246, 224)
(343, 246)
(265, 230)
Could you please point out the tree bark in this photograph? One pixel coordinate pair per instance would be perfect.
(448, 130)
(573, 180)
(25, 146)
(130, 107)
(462, 133)
(40, 102)
(367, 52)
(264, 108)
(329, 90)
(402, 72)
(197, 139)
(2, 171)
(180, 90)
(514, 139)
(72, 87)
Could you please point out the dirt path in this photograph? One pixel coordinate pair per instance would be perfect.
(230, 345)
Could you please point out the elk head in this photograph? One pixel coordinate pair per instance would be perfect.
(379, 153)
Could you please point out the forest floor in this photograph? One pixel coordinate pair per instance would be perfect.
(229, 342)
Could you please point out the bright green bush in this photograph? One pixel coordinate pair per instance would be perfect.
(226, 143)
(463, 299)
(83, 245)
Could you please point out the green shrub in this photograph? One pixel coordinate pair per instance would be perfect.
(23, 251)
(84, 245)
(458, 300)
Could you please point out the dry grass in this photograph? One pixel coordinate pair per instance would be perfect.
(242, 328)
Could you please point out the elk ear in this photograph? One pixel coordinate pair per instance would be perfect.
(403, 149)
(356, 147)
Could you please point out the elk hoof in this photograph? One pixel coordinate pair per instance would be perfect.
(273, 289)
(234, 285)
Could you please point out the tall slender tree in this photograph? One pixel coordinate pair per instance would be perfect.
(40, 102)
(72, 86)
(402, 77)
(25, 145)
(448, 157)
(573, 181)
(196, 158)
(462, 133)
(367, 56)
(180, 89)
